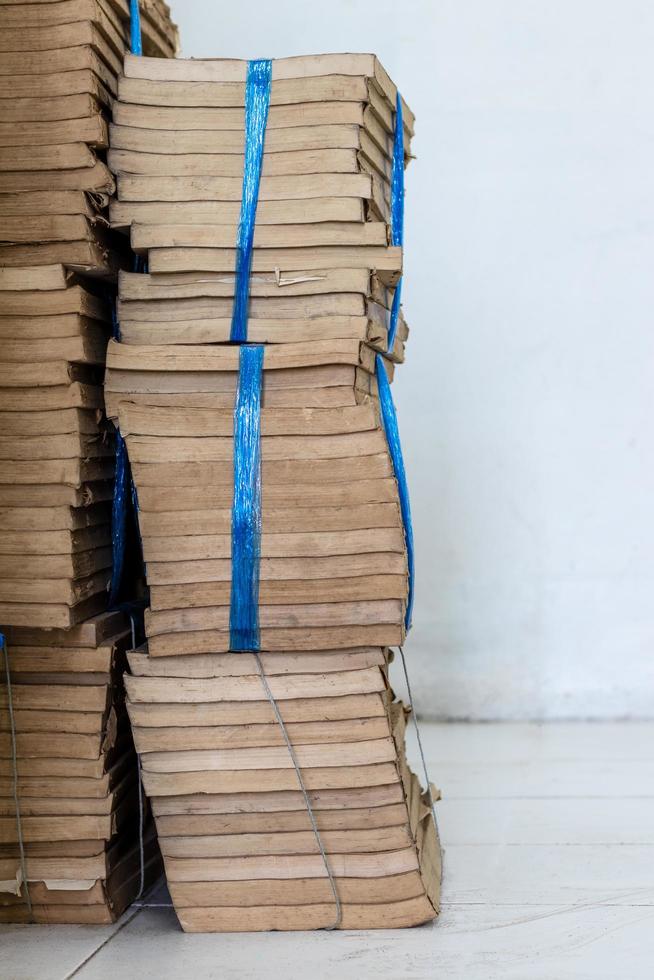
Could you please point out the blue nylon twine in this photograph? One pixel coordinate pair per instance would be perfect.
(388, 413)
(392, 432)
(122, 478)
(246, 506)
(136, 43)
(257, 99)
(397, 210)
(123, 485)
(118, 518)
(118, 503)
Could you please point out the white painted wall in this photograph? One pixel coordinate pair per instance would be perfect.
(526, 401)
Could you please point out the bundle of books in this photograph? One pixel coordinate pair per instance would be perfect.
(77, 807)
(332, 559)
(57, 451)
(333, 567)
(59, 64)
(333, 564)
(238, 843)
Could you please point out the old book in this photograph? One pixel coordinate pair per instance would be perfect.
(30, 71)
(66, 107)
(96, 177)
(33, 277)
(285, 163)
(48, 495)
(365, 234)
(350, 136)
(72, 299)
(91, 130)
(89, 257)
(200, 359)
(379, 916)
(57, 202)
(327, 112)
(274, 212)
(386, 261)
(139, 189)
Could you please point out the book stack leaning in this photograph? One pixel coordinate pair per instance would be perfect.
(68, 780)
(252, 388)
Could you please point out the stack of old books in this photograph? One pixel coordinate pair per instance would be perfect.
(236, 834)
(57, 453)
(234, 829)
(333, 566)
(59, 64)
(77, 806)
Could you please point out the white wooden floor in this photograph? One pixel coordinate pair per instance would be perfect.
(548, 833)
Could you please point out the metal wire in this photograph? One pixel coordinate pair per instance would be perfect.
(420, 748)
(298, 772)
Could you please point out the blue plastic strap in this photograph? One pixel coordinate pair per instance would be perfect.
(118, 503)
(118, 518)
(389, 421)
(135, 507)
(257, 99)
(123, 483)
(246, 506)
(136, 44)
(397, 210)
(395, 315)
(115, 325)
(397, 177)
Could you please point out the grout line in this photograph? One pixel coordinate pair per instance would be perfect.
(119, 928)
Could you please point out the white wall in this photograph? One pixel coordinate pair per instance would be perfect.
(526, 403)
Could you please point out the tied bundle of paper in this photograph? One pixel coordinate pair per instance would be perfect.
(321, 265)
(59, 63)
(333, 549)
(251, 384)
(57, 450)
(69, 795)
(332, 555)
(239, 847)
(314, 313)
